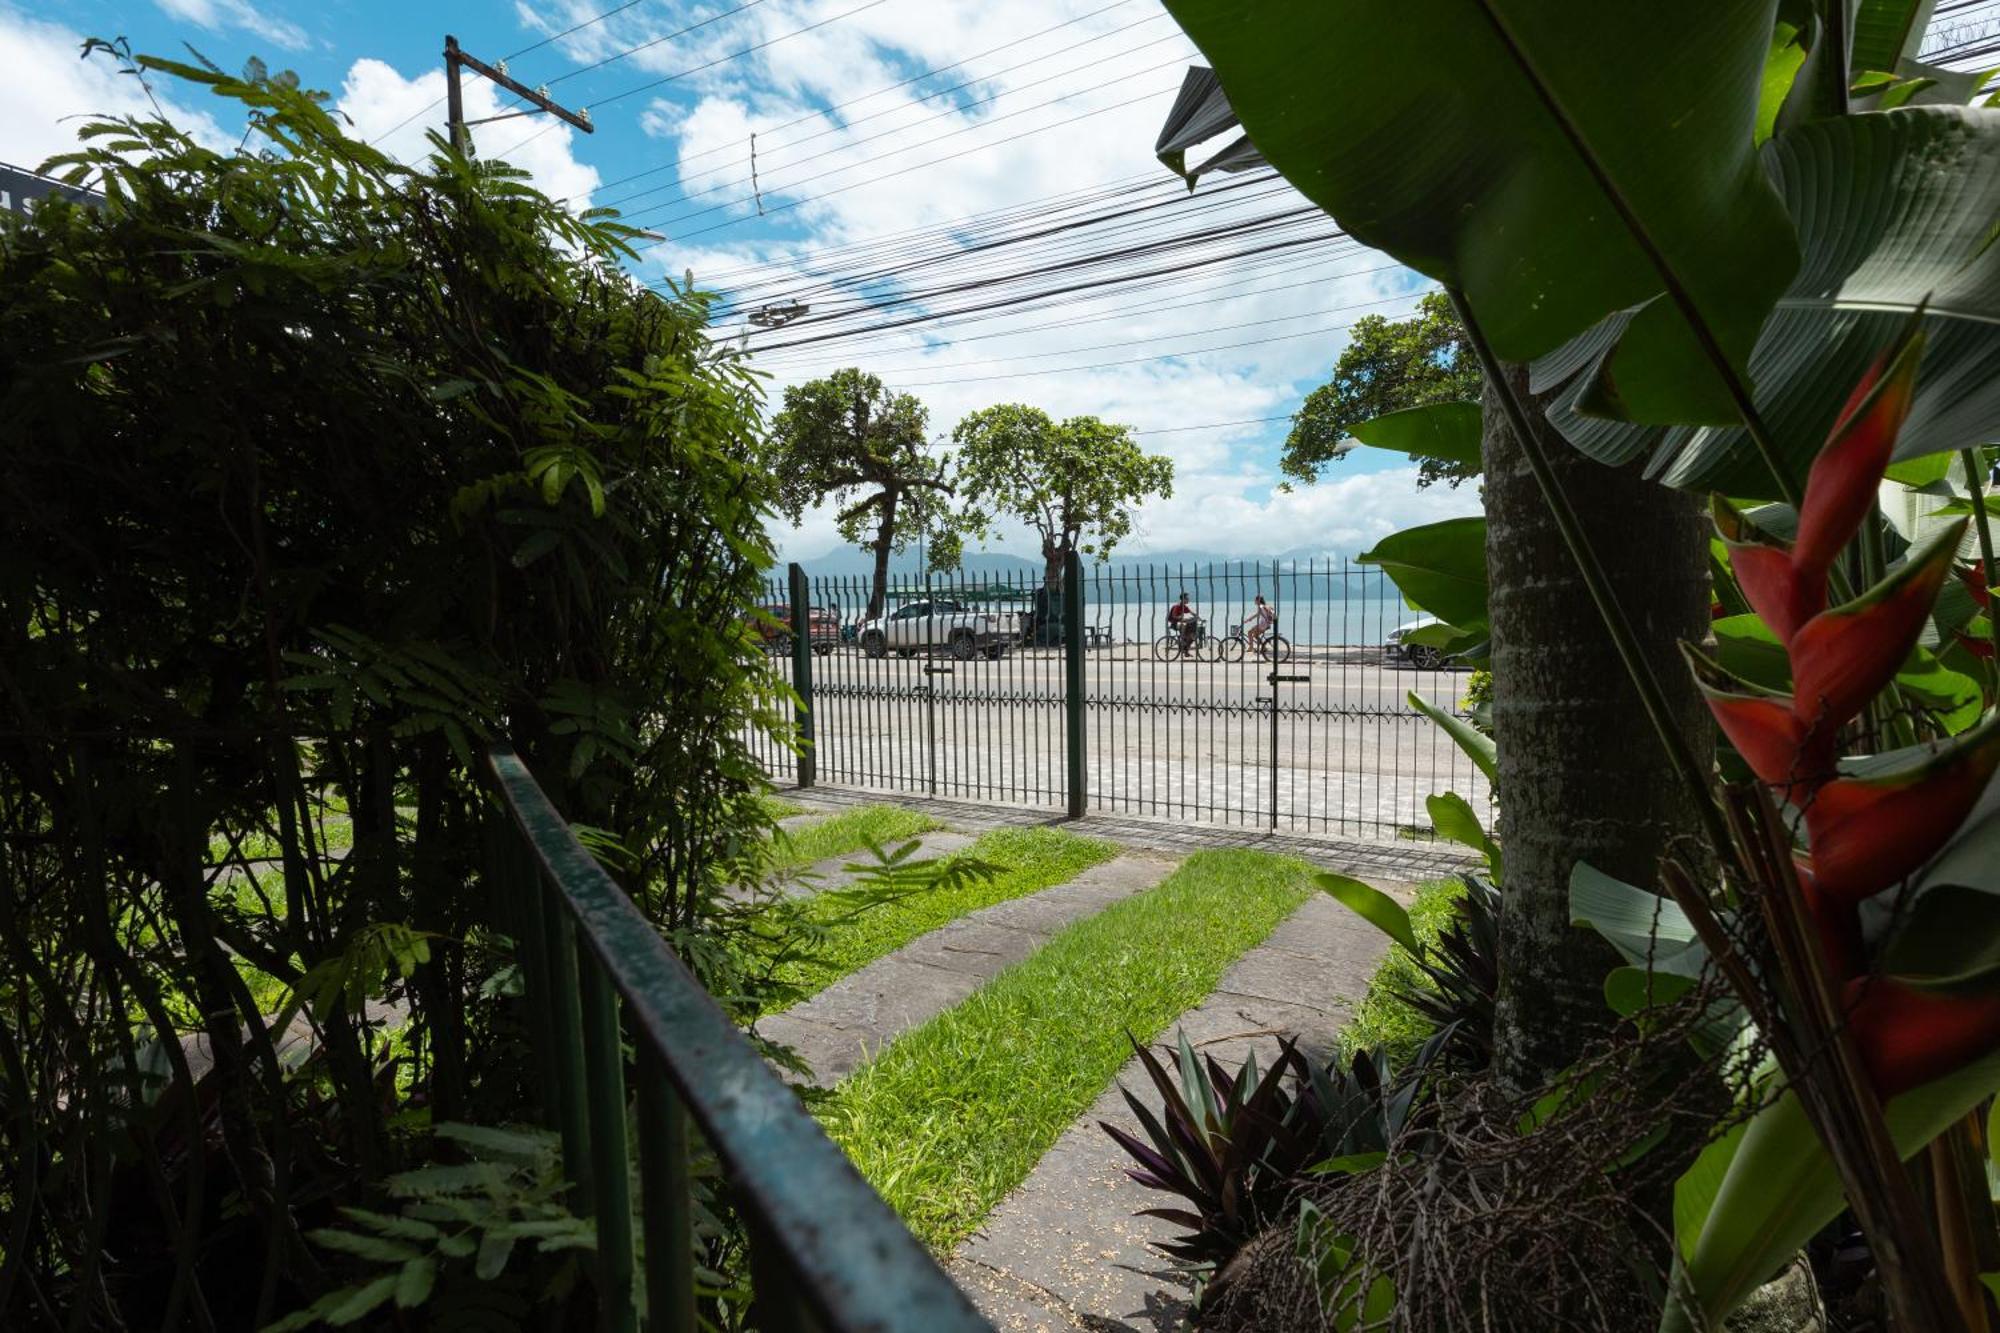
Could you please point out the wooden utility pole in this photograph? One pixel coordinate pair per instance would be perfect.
(536, 98)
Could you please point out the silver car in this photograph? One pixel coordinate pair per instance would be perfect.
(936, 623)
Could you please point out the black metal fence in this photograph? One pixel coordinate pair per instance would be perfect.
(979, 687)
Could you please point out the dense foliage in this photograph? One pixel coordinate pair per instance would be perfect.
(1072, 483)
(321, 473)
(1387, 365)
(1721, 244)
(847, 439)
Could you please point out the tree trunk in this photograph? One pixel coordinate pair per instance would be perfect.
(1053, 555)
(885, 536)
(1582, 774)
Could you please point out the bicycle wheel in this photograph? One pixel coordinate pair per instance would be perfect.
(1167, 647)
(1230, 649)
(1276, 649)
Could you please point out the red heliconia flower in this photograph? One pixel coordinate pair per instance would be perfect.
(1870, 828)
(1907, 1037)
(1867, 832)
(1840, 488)
(1763, 567)
(1974, 579)
(1760, 723)
(1844, 656)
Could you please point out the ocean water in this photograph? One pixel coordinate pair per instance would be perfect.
(1341, 604)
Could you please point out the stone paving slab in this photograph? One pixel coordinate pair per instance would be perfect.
(840, 1028)
(1065, 1251)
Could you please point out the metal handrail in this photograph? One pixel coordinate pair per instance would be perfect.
(827, 1252)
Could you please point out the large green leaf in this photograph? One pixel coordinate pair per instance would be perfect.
(1476, 744)
(1647, 928)
(1892, 208)
(1436, 430)
(1777, 1187)
(1454, 819)
(1440, 568)
(1887, 31)
(1946, 934)
(1372, 905)
(1520, 149)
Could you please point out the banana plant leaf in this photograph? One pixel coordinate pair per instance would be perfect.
(1520, 149)
(1435, 430)
(1893, 209)
(1440, 568)
(1476, 744)
(1758, 1194)
(1886, 31)
(1945, 934)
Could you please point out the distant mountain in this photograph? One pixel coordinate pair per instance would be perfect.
(851, 562)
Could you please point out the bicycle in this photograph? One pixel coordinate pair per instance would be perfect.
(1195, 647)
(1273, 647)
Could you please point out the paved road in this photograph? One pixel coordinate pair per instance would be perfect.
(1187, 740)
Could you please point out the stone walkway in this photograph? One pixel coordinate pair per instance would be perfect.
(843, 1026)
(1065, 1251)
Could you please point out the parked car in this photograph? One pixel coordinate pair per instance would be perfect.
(822, 628)
(1397, 649)
(938, 623)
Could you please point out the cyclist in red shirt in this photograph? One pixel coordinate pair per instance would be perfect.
(1181, 616)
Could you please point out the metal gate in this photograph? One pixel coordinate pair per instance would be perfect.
(967, 687)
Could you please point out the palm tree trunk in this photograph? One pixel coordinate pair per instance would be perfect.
(1582, 774)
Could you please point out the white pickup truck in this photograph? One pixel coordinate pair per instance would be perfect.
(937, 623)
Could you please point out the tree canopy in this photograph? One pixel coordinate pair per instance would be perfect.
(1073, 482)
(847, 438)
(1387, 365)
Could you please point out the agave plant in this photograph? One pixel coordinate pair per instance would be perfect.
(1234, 1147)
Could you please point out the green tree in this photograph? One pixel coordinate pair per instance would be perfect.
(847, 438)
(1387, 365)
(1074, 482)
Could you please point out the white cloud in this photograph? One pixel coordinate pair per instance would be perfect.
(397, 111)
(49, 94)
(224, 15)
(1059, 96)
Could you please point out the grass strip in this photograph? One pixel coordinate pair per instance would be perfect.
(1382, 1019)
(777, 807)
(956, 1112)
(848, 831)
(1028, 860)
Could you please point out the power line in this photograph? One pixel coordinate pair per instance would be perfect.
(568, 32)
(914, 78)
(735, 55)
(1128, 342)
(918, 166)
(1232, 291)
(1186, 242)
(1131, 361)
(696, 69)
(1215, 425)
(1182, 267)
(956, 110)
(907, 263)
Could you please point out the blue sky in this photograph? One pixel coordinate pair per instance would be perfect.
(1060, 96)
